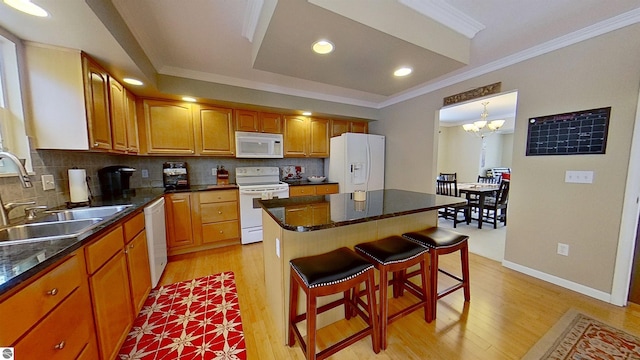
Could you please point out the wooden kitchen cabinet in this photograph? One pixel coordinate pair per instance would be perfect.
(137, 261)
(168, 127)
(110, 291)
(311, 190)
(257, 121)
(36, 318)
(214, 131)
(219, 216)
(339, 127)
(306, 137)
(131, 120)
(179, 224)
(96, 93)
(202, 220)
(118, 113)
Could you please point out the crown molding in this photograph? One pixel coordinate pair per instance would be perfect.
(251, 17)
(447, 15)
(603, 27)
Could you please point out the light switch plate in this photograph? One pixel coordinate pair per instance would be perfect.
(145, 173)
(578, 177)
(48, 183)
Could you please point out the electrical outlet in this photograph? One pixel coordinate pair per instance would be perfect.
(145, 173)
(563, 249)
(214, 171)
(48, 183)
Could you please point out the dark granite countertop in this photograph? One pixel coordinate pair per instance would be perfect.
(20, 262)
(344, 210)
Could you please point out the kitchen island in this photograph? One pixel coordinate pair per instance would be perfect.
(312, 225)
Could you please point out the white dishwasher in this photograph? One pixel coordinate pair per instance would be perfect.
(154, 223)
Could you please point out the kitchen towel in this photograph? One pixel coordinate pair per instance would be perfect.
(78, 190)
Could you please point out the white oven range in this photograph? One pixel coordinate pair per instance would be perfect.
(256, 183)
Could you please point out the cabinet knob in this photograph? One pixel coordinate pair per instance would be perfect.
(95, 144)
(221, 232)
(219, 212)
(53, 292)
(60, 345)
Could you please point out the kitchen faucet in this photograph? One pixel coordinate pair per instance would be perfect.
(26, 183)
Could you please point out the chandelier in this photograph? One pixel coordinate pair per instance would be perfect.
(482, 127)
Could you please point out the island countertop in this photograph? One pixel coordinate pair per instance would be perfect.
(342, 210)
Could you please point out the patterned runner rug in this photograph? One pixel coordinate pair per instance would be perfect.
(194, 319)
(578, 336)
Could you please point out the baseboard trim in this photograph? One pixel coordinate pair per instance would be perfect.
(585, 290)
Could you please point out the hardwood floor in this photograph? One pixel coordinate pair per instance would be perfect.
(507, 314)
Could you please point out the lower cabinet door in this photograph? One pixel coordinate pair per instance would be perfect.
(112, 306)
(139, 271)
(62, 334)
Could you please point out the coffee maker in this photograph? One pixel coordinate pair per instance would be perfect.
(114, 181)
(175, 175)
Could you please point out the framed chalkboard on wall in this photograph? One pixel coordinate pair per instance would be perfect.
(575, 133)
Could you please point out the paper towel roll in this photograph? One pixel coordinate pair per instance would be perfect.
(78, 190)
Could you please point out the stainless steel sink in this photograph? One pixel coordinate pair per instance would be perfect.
(88, 212)
(45, 231)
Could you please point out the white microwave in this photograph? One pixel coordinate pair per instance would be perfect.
(258, 145)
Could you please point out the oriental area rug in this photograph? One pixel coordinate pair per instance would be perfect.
(194, 319)
(578, 336)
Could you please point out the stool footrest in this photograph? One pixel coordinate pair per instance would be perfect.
(343, 344)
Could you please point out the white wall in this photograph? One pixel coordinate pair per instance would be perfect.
(543, 209)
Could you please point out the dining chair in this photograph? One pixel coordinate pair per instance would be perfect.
(489, 179)
(450, 188)
(496, 208)
(448, 176)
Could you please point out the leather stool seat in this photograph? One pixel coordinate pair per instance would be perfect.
(395, 254)
(439, 242)
(338, 271)
(329, 268)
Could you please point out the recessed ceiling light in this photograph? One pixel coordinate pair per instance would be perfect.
(306, 113)
(403, 71)
(131, 81)
(26, 6)
(322, 47)
(189, 99)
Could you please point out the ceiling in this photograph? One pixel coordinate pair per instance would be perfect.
(266, 44)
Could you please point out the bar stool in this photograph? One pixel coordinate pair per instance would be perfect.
(395, 254)
(338, 271)
(440, 242)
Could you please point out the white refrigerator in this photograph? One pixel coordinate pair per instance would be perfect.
(356, 162)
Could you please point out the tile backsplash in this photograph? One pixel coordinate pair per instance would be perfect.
(57, 163)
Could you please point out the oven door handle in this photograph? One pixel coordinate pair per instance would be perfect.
(260, 191)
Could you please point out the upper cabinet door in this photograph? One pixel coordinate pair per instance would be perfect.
(296, 130)
(318, 138)
(247, 120)
(359, 127)
(118, 100)
(96, 89)
(168, 126)
(214, 129)
(132, 124)
(339, 127)
(270, 123)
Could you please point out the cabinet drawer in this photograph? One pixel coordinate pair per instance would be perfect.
(90, 351)
(103, 249)
(217, 196)
(26, 307)
(326, 189)
(302, 190)
(133, 227)
(219, 212)
(220, 231)
(63, 333)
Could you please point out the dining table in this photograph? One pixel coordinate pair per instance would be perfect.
(476, 193)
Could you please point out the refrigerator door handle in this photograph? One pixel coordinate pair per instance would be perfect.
(368, 165)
